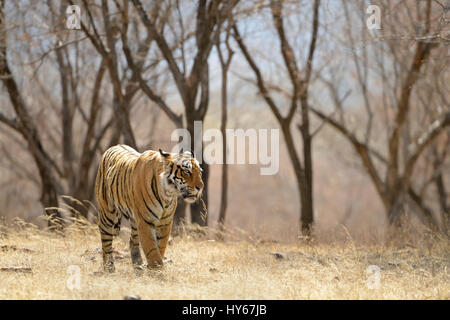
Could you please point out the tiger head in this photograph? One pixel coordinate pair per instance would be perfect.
(182, 175)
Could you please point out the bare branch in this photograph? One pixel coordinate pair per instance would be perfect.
(259, 78)
(11, 122)
(164, 47)
(425, 139)
(361, 148)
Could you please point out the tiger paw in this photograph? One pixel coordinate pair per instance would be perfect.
(155, 265)
(135, 255)
(109, 268)
(138, 270)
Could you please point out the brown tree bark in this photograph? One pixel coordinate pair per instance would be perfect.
(300, 83)
(28, 129)
(442, 193)
(225, 65)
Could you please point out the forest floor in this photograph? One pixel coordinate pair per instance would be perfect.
(36, 264)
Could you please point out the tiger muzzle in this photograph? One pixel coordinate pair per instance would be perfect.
(192, 195)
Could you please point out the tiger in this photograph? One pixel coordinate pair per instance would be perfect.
(144, 188)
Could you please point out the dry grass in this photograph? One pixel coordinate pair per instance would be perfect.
(203, 268)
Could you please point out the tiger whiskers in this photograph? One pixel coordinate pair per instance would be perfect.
(204, 213)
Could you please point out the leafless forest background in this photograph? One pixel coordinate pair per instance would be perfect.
(363, 114)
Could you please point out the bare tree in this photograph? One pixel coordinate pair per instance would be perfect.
(193, 85)
(300, 80)
(23, 123)
(225, 63)
(403, 151)
(121, 101)
(79, 102)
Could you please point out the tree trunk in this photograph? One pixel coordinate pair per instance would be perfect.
(49, 199)
(28, 129)
(445, 210)
(425, 212)
(224, 191)
(223, 197)
(396, 209)
(223, 125)
(80, 194)
(305, 188)
(307, 210)
(67, 107)
(199, 212)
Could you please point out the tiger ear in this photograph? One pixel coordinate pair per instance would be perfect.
(190, 153)
(164, 154)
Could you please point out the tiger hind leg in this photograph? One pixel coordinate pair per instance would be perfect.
(117, 226)
(136, 258)
(108, 228)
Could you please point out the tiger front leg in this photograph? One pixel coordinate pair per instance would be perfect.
(163, 234)
(136, 258)
(149, 243)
